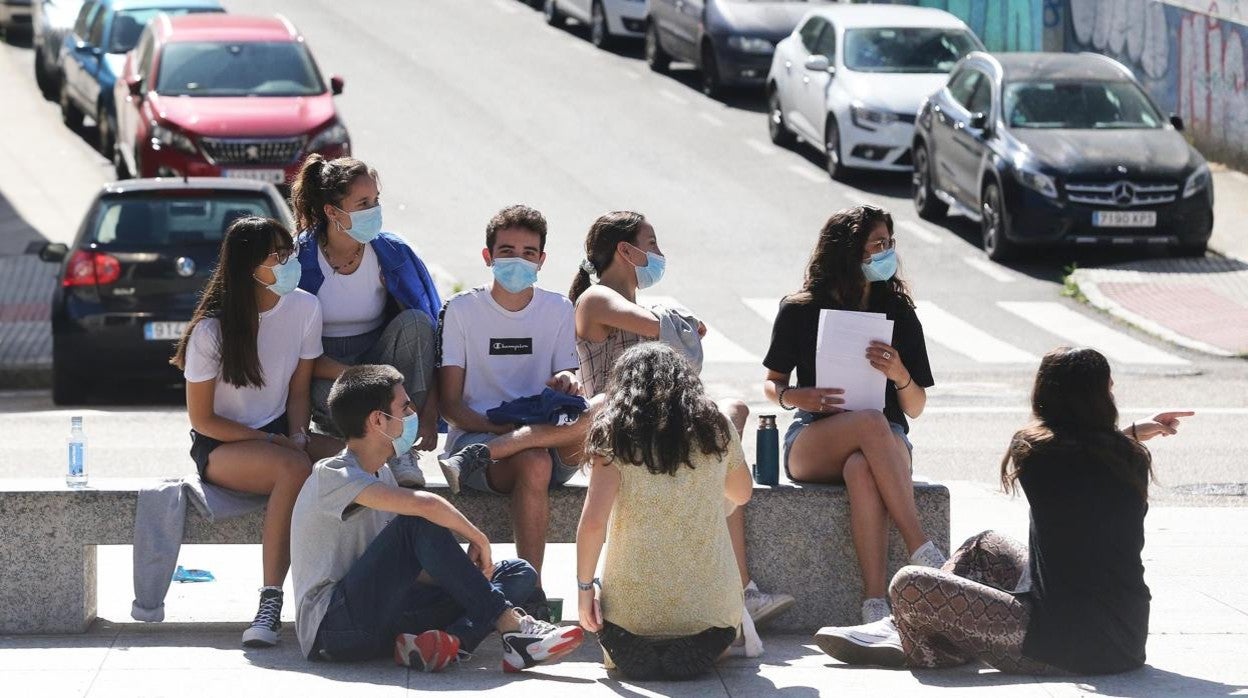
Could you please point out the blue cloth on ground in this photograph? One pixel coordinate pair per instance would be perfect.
(549, 407)
(184, 575)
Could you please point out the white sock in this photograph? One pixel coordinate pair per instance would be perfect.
(751, 585)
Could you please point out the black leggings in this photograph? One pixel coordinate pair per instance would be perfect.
(642, 659)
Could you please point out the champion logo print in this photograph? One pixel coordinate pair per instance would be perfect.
(511, 346)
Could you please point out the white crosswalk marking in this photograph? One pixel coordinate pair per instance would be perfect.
(992, 270)
(1083, 331)
(716, 348)
(920, 232)
(942, 327)
(765, 307)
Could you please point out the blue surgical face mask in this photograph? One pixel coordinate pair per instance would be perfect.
(652, 273)
(514, 273)
(404, 442)
(286, 276)
(882, 267)
(365, 225)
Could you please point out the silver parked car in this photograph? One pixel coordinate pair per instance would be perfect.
(52, 21)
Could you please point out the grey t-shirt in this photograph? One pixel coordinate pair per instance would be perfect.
(328, 533)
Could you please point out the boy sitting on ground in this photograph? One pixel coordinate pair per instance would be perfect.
(375, 566)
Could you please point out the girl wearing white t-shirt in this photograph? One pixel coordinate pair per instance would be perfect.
(247, 357)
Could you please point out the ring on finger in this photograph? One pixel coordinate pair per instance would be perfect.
(888, 355)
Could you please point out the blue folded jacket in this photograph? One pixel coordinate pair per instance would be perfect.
(550, 407)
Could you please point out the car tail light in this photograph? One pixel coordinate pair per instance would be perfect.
(89, 268)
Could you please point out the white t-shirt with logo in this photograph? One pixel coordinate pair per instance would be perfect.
(506, 355)
(289, 331)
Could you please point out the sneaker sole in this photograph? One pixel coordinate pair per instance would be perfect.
(410, 651)
(567, 643)
(251, 639)
(766, 613)
(451, 475)
(850, 652)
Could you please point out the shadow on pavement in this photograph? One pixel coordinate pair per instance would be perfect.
(17, 235)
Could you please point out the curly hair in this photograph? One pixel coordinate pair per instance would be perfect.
(656, 412)
(834, 273)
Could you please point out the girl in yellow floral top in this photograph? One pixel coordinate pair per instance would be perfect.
(664, 460)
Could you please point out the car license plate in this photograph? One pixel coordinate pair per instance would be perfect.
(163, 331)
(1124, 219)
(270, 176)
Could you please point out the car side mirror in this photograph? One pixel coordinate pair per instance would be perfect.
(54, 252)
(979, 121)
(1176, 121)
(819, 63)
(134, 85)
(336, 83)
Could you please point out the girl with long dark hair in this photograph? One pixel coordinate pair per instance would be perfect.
(1074, 599)
(663, 460)
(622, 253)
(379, 302)
(247, 356)
(854, 268)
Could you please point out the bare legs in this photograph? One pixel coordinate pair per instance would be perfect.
(737, 413)
(264, 468)
(861, 450)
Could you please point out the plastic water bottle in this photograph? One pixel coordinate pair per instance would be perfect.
(76, 476)
(767, 460)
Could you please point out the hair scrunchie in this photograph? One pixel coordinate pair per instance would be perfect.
(588, 267)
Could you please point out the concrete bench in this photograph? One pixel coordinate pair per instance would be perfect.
(798, 537)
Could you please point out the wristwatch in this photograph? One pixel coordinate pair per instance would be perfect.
(588, 586)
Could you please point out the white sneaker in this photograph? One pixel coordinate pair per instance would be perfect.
(928, 555)
(875, 644)
(875, 610)
(762, 606)
(406, 469)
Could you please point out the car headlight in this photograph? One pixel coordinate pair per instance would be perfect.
(1197, 182)
(163, 136)
(335, 135)
(870, 119)
(750, 44)
(1036, 181)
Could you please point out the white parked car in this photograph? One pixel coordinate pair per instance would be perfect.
(607, 20)
(852, 77)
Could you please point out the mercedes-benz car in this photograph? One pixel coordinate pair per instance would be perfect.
(1059, 149)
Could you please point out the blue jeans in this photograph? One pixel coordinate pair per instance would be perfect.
(380, 596)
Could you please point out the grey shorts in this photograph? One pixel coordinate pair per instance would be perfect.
(802, 419)
(560, 472)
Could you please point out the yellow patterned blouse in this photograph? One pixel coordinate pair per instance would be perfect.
(670, 569)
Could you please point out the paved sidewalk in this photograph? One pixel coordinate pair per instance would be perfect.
(1201, 304)
(1199, 636)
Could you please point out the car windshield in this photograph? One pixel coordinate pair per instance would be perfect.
(906, 49)
(1079, 105)
(213, 69)
(129, 24)
(154, 221)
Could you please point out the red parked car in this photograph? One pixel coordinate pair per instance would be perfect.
(224, 96)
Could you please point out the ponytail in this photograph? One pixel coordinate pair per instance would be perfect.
(604, 235)
(320, 182)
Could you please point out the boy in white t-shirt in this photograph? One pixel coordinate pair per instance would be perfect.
(376, 568)
(502, 342)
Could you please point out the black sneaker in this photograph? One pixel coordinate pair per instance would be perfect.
(264, 629)
(537, 605)
(463, 463)
(537, 642)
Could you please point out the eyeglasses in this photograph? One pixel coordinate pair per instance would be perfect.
(881, 245)
(282, 255)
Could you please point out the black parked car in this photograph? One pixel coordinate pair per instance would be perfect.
(729, 41)
(1059, 149)
(130, 281)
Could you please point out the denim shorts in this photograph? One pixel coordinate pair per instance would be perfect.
(803, 419)
(560, 472)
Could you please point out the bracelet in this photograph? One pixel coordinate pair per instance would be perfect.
(588, 586)
(780, 398)
(907, 385)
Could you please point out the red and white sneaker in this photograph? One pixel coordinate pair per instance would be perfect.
(538, 642)
(429, 651)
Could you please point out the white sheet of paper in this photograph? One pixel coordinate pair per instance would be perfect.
(841, 356)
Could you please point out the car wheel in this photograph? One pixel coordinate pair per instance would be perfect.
(599, 32)
(70, 114)
(712, 83)
(104, 133)
(776, 128)
(66, 388)
(925, 202)
(119, 162)
(832, 150)
(43, 78)
(995, 226)
(656, 57)
(554, 17)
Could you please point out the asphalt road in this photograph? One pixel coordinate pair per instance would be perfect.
(465, 107)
